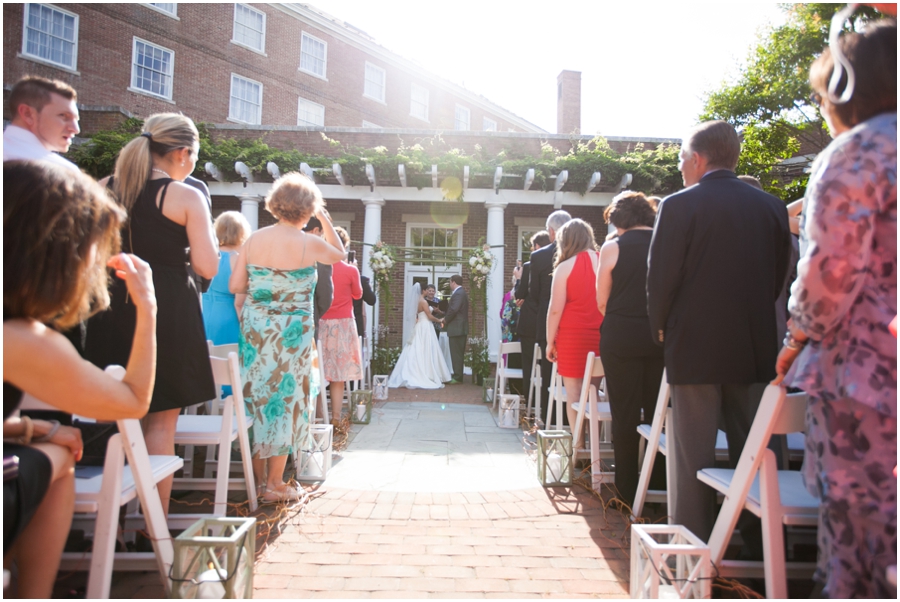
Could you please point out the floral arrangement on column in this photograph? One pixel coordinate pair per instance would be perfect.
(382, 261)
(481, 261)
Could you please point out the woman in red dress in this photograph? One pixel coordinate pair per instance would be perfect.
(573, 322)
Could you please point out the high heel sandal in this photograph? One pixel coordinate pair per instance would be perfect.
(284, 493)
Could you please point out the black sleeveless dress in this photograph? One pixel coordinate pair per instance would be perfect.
(183, 372)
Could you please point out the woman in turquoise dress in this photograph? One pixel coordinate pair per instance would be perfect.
(276, 268)
(220, 305)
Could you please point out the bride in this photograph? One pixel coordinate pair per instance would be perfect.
(421, 365)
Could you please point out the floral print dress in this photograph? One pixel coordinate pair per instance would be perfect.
(279, 361)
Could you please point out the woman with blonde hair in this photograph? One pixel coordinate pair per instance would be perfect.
(220, 306)
(165, 217)
(276, 269)
(573, 321)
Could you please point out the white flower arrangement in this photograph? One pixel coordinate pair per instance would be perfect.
(480, 263)
(382, 261)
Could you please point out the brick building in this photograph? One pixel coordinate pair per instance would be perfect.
(289, 73)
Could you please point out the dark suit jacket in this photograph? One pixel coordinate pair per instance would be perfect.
(324, 294)
(717, 262)
(527, 325)
(368, 295)
(456, 321)
(540, 286)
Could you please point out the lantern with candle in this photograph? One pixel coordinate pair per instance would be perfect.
(555, 458)
(314, 463)
(380, 386)
(214, 559)
(508, 416)
(360, 407)
(668, 561)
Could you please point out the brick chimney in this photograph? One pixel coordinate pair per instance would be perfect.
(568, 102)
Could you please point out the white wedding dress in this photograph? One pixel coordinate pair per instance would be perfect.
(421, 364)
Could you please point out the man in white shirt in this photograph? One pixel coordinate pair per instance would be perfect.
(44, 121)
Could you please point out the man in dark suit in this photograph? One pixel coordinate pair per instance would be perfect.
(324, 293)
(718, 258)
(541, 282)
(456, 324)
(526, 328)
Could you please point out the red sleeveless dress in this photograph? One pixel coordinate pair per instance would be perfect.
(579, 326)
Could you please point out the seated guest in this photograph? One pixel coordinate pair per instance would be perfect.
(220, 307)
(573, 321)
(632, 361)
(338, 342)
(60, 231)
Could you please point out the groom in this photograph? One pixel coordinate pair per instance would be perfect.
(456, 325)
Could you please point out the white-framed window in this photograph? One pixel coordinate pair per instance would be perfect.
(310, 113)
(249, 28)
(246, 100)
(418, 102)
(169, 8)
(152, 69)
(369, 124)
(51, 35)
(375, 79)
(525, 234)
(433, 238)
(461, 120)
(488, 125)
(313, 55)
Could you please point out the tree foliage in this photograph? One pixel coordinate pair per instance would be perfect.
(770, 103)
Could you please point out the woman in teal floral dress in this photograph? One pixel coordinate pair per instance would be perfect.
(279, 362)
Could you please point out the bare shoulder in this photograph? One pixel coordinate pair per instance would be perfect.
(187, 194)
(28, 339)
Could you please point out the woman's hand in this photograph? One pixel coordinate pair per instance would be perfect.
(551, 352)
(138, 278)
(65, 436)
(784, 362)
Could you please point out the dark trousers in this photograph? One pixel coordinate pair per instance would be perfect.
(527, 359)
(632, 385)
(457, 350)
(695, 418)
(546, 372)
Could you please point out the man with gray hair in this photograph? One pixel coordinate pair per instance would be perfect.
(718, 258)
(541, 280)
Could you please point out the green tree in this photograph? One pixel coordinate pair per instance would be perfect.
(770, 103)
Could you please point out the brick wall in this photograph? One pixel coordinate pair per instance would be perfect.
(568, 102)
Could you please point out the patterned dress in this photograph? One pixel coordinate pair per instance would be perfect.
(279, 361)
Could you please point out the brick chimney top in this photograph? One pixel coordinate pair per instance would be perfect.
(568, 102)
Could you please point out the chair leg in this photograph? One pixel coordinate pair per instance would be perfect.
(103, 555)
(772, 530)
(595, 443)
(223, 468)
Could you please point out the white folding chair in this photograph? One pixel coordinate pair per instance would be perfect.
(536, 385)
(557, 394)
(597, 412)
(99, 497)
(219, 430)
(504, 372)
(778, 497)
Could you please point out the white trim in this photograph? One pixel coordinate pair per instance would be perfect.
(519, 232)
(468, 127)
(231, 97)
(484, 124)
(150, 94)
(133, 87)
(324, 73)
(369, 124)
(28, 57)
(412, 90)
(425, 219)
(164, 12)
(234, 24)
(383, 83)
(300, 99)
(37, 58)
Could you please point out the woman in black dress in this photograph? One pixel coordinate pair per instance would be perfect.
(633, 362)
(165, 218)
(59, 230)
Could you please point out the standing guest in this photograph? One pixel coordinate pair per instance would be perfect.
(221, 307)
(632, 361)
(509, 314)
(368, 296)
(718, 257)
(456, 323)
(165, 217)
(338, 341)
(540, 285)
(526, 328)
(60, 231)
(324, 286)
(44, 121)
(841, 306)
(573, 321)
(279, 361)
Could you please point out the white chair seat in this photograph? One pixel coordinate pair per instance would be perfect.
(721, 442)
(799, 506)
(513, 373)
(203, 430)
(88, 490)
(601, 408)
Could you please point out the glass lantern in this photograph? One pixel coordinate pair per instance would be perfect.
(508, 413)
(487, 391)
(313, 464)
(668, 561)
(555, 458)
(361, 406)
(214, 559)
(380, 386)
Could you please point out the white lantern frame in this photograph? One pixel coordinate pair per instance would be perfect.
(361, 398)
(556, 458)
(668, 561)
(508, 411)
(313, 464)
(221, 546)
(380, 386)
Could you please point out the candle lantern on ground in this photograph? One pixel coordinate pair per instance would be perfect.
(508, 416)
(380, 386)
(214, 559)
(668, 561)
(555, 458)
(360, 407)
(314, 463)
(487, 392)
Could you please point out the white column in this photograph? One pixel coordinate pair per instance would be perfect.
(250, 209)
(496, 283)
(371, 235)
